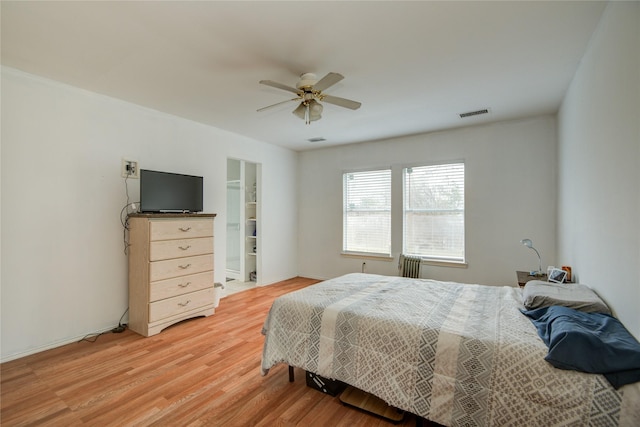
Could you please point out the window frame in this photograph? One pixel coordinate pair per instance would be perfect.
(435, 259)
(389, 209)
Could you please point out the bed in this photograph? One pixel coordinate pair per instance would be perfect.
(455, 354)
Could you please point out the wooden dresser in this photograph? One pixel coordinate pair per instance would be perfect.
(170, 269)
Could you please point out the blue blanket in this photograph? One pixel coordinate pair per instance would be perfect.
(588, 342)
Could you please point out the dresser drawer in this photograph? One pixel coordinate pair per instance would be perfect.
(181, 304)
(180, 229)
(160, 270)
(180, 285)
(167, 249)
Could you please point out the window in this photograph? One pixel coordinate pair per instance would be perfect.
(367, 212)
(433, 212)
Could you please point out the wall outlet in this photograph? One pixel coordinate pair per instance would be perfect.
(130, 169)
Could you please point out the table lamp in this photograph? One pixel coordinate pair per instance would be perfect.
(528, 243)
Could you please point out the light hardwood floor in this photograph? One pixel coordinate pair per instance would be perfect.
(202, 372)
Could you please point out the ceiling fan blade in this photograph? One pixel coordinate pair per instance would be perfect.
(279, 86)
(279, 103)
(342, 102)
(327, 81)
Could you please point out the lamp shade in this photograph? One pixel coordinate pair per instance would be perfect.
(527, 242)
(300, 111)
(315, 110)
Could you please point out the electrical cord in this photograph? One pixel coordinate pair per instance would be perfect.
(93, 337)
(126, 187)
(124, 219)
(121, 326)
(118, 329)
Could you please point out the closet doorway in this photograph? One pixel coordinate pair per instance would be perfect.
(243, 226)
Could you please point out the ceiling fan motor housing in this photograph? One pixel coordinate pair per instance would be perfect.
(307, 80)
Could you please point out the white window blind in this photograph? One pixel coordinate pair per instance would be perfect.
(433, 212)
(367, 212)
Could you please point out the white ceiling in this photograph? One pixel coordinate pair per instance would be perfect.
(415, 66)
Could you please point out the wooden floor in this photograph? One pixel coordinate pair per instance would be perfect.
(202, 372)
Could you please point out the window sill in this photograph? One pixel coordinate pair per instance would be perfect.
(440, 263)
(362, 255)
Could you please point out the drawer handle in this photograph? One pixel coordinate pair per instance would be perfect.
(184, 285)
(184, 248)
(185, 228)
(184, 304)
(184, 267)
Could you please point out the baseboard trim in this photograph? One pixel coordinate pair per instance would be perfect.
(49, 346)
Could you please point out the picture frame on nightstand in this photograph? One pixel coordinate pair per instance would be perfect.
(557, 275)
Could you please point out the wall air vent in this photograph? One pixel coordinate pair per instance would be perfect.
(473, 113)
(316, 139)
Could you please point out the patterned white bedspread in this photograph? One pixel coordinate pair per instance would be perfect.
(453, 353)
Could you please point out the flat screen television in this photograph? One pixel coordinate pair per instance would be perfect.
(169, 192)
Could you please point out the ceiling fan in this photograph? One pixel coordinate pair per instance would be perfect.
(309, 94)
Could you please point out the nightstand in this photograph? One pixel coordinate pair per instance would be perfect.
(524, 277)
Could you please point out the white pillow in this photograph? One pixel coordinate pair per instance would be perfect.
(538, 294)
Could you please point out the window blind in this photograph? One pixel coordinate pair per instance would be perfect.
(433, 212)
(367, 212)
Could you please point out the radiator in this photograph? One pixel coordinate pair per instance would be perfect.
(409, 266)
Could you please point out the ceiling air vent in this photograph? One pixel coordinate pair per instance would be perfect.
(473, 113)
(316, 139)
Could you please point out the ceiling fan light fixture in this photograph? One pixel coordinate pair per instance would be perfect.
(300, 110)
(315, 110)
(309, 111)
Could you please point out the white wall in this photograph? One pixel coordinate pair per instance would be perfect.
(510, 194)
(599, 157)
(64, 271)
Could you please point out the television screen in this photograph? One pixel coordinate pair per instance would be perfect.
(170, 192)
